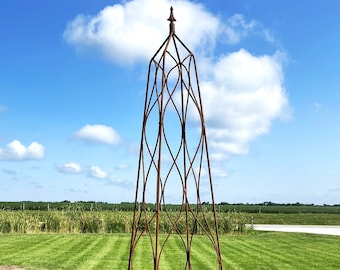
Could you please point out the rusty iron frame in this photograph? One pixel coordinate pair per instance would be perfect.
(173, 93)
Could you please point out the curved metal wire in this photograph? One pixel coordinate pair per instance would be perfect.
(172, 99)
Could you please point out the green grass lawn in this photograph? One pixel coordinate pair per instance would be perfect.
(258, 250)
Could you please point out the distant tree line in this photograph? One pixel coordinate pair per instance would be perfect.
(280, 208)
(67, 205)
(265, 207)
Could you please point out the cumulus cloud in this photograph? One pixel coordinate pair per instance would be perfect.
(218, 171)
(120, 182)
(71, 167)
(242, 93)
(122, 166)
(130, 32)
(98, 134)
(97, 172)
(238, 28)
(76, 168)
(15, 150)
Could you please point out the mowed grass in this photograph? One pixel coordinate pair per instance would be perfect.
(259, 250)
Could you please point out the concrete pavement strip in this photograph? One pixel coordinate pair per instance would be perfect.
(316, 229)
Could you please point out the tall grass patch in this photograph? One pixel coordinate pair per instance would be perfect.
(26, 221)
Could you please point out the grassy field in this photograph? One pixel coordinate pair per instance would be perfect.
(294, 219)
(110, 251)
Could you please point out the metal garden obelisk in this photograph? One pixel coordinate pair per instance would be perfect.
(174, 166)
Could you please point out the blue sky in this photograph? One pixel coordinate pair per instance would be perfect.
(72, 89)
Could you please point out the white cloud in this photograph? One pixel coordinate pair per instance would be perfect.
(120, 182)
(98, 134)
(15, 150)
(219, 171)
(238, 28)
(132, 31)
(97, 172)
(122, 166)
(76, 168)
(71, 167)
(242, 95)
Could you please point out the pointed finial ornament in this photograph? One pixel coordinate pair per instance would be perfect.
(172, 20)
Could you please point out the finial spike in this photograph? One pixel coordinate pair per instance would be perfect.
(172, 20)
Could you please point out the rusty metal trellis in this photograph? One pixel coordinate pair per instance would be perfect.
(173, 105)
